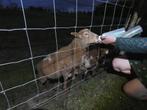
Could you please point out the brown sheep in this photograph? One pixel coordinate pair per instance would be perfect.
(63, 62)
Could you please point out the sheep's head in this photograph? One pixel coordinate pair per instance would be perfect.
(86, 36)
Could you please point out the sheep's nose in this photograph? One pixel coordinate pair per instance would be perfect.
(97, 38)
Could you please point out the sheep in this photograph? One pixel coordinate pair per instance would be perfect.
(65, 60)
(90, 60)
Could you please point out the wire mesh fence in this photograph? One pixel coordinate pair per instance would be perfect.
(29, 34)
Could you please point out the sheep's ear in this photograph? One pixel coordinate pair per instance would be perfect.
(74, 34)
(86, 29)
(77, 35)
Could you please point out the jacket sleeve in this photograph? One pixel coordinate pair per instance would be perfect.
(132, 45)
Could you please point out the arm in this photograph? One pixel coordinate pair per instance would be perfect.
(132, 45)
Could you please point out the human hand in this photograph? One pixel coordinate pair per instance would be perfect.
(108, 39)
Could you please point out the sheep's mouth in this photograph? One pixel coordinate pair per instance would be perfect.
(95, 43)
(99, 39)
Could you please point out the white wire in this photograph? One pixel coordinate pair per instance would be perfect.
(121, 13)
(129, 12)
(76, 24)
(32, 58)
(109, 2)
(114, 14)
(75, 29)
(29, 43)
(56, 39)
(6, 97)
(92, 15)
(105, 10)
(50, 28)
(15, 62)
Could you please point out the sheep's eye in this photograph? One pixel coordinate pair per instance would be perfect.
(86, 34)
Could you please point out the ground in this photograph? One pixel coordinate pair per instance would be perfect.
(102, 92)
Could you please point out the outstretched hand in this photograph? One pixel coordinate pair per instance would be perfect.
(108, 39)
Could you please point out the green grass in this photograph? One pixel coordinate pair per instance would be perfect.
(102, 92)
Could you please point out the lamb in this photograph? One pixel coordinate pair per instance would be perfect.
(64, 62)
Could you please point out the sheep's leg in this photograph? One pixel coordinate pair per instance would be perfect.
(75, 72)
(65, 76)
(65, 84)
(43, 81)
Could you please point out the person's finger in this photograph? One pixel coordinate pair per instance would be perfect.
(103, 37)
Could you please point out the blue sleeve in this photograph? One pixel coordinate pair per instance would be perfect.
(132, 45)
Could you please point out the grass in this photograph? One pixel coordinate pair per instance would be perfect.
(102, 92)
